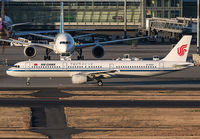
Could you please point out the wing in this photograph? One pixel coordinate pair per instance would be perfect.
(19, 24)
(82, 36)
(101, 74)
(106, 42)
(24, 33)
(52, 38)
(43, 36)
(29, 44)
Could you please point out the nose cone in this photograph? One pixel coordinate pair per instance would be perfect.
(9, 72)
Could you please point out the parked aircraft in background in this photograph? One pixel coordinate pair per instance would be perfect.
(6, 24)
(64, 43)
(83, 71)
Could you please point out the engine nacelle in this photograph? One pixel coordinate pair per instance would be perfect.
(79, 79)
(98, 51)
(30, 51)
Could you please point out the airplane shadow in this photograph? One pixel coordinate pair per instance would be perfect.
(51, 120)
(51, 93)
(159, 82)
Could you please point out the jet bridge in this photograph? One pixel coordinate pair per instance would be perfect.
(171, 28)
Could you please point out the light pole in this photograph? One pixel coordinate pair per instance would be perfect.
(198, 26)
(125, 19)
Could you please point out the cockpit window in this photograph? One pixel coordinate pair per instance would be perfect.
(63, 42)
(16, 66)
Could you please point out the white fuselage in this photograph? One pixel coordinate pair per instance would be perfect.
(70, 68)
(64, 43)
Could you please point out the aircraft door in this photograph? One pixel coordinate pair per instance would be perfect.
(27, 65)
(161, 65)
(64, 65)
(111, 66)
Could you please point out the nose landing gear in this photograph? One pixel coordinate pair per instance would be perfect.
(27, 81)
(100, 83)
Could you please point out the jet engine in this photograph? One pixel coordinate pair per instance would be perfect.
(29, 51)
(79, 79)
(98, 51)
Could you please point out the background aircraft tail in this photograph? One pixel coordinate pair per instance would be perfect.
(180, 51)
(61, 19)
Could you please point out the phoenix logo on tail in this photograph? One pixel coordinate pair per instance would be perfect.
(181, 50)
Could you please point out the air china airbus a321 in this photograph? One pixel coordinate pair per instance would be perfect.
(83, 71)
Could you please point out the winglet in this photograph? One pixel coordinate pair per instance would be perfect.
(61, 19)
(180, 51)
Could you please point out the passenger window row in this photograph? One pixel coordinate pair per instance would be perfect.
(84, 66)
(136, 67)
(46, 67)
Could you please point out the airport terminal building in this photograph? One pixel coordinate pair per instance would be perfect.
(96, 14)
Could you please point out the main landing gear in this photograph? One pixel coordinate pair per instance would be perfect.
(27, 81)
(80, 57)
(47, 57)
(99, 82)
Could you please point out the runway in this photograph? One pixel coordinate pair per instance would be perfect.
(49, 97)
(43, 102)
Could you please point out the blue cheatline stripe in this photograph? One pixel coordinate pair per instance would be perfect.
(85, 70)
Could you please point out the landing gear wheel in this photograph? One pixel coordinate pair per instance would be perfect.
(28, 83)
(80, 56)
(47, 57)
(100, 83)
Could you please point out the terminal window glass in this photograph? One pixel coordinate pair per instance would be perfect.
(175, 3)
(97, 3)
(72, 4)
(120, 4)
(56, 4)
(151, 3)
(48, 3)
(81, 3)
(166, 14)
(88, 3)
(113, 4)
(159, 14)
(166, 3)
(159, 3)
(105, 3)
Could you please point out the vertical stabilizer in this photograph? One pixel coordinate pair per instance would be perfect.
(180, 51)
(61, 19)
